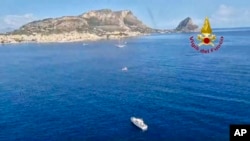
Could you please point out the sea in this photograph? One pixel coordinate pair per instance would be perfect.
(76, 92)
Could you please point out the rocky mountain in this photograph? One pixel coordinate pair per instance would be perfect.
(92, 25)
(93, 22)
(187, 25)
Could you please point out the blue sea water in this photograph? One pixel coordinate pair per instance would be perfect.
(66, 91)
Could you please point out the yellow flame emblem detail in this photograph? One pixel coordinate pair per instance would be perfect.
(206, 37)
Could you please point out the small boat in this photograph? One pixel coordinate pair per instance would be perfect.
(84, 44)
(120, 46)
(125, 69)
(139, 123)
(121, 43)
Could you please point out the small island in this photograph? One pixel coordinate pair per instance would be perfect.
(92, 25)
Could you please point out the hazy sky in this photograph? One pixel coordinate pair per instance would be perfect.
(155, 13)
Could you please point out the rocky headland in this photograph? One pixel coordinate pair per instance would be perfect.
(187, 25)
(92, 25)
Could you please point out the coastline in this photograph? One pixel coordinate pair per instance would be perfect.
(63, 37)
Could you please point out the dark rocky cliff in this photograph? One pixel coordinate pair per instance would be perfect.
(187, 25)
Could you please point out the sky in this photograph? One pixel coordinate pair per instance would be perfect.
(154, 13)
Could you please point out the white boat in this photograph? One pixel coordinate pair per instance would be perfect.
(84, 44)
(125, 69)
(139, 123)
(121, 44)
